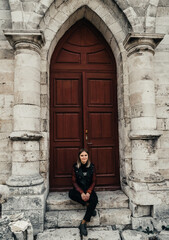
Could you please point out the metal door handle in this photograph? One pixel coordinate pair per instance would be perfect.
(89, 143)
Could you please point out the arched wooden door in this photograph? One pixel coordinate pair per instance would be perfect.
(83, 107)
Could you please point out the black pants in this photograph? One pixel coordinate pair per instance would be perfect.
(93, 200)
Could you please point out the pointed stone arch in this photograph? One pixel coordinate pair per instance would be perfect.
(150, 18)
(27, 15)
(114, 29)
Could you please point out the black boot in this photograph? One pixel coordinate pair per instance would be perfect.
(94, 213)
(83, 229)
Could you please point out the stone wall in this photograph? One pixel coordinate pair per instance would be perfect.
(143, 90)
(6, 93)
(162, 86)
(50, 16)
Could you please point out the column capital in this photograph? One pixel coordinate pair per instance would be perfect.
(135, 42)
(25, 39)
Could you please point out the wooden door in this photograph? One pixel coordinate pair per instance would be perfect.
(83, 107)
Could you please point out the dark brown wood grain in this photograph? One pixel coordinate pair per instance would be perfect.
(83, 107)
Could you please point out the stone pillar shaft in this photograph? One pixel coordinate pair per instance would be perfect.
(141, 85)
(26, 111)
(27, 91)
(140, 49)
(27, 192)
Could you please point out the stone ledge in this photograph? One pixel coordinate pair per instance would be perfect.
(145, 134)
(107, 199)
(25, 136)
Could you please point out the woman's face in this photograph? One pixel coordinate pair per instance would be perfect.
(83, 157)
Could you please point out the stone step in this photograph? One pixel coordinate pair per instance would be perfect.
(72, 218)
(107, 200)
(98, 233)
(105, 233)
(112, 209)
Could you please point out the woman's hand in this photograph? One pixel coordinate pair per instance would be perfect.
(85, 197)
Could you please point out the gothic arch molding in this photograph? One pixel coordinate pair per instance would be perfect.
(150, 18)
(114, 32)
(28, 15)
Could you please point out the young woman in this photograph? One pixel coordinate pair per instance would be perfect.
(83, 179)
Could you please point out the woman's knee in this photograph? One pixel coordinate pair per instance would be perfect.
(94, 198)
(71, 194)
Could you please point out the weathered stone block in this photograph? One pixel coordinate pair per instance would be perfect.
(134, 235)
(142, 224)
(58, 234)
(4, 5)
(36, 218)
(142, 123)
(6, 126)
(5, 232)
(51, 219)
(160, 211)
(138, 186)
(160, 224)
(116, 199)
(27, 168)
(114, 216)
(22, 229)
(4, 193)
(73, 218)
(44, 165)
(163, 235)
(26, 146)
(32, 190)
(102, 234)
(24, 97)
(27, 111)
(26, 124)
(158, 186)
(139, 211)
(5, 167)
(24, 203)
(61, 201)
(25, 156)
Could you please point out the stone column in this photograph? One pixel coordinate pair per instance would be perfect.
(26, 184)
(140, 49)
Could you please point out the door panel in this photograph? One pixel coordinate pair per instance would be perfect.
(83, 107)
(65, 126)
(102, 127)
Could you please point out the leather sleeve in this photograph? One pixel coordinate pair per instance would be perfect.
(90, 189)
(76, 186)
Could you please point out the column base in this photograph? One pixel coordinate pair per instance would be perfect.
(143, 196)
(28, 196)
(24, 181)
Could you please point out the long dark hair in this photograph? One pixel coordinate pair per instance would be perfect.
(78, 159)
